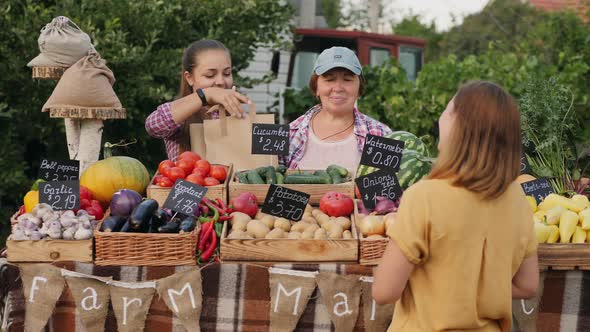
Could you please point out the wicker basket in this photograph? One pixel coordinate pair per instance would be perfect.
(370, 250)
(145, 249)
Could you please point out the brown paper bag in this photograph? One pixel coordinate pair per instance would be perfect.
(289, 295)
(341, 294)
(43, 285)
(131, 303)
(92, 301)
(229, 140)
(183, 295)
(377, 317)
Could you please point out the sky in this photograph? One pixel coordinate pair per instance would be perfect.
(440, 11)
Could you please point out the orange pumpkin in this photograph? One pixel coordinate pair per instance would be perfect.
(525, 178)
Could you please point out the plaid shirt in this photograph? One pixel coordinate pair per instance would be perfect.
(299, 129)
(160, 124)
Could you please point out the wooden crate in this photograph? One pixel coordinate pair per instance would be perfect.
(564, 256)
(287, 250)
(316, 191)
(48, 73)
(370, 250)
(219, 191)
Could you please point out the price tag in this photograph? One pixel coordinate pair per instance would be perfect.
(285, 203)
(539, 188)
(525, 168)
(185, 197)
(382, 152)
(61, 195)
(59, 170)
(528, 146)
(379, 183)
(270, 139)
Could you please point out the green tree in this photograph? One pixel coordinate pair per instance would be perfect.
(411, 26)
(332, 10)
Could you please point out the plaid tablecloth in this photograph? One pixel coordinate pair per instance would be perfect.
(236, 297)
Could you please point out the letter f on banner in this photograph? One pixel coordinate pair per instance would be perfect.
(34, 287)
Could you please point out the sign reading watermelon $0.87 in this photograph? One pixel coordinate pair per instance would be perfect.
(382, 152)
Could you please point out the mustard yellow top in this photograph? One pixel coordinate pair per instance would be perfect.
(466, 251)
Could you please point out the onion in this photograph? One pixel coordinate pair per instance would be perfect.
(124, 201)
(372, 225)
(384, 205)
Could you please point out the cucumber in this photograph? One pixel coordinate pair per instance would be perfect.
(242, 177)
(335, 175)
(324, 175)
(271, 175)
(305, 179)
(261, 170)
(254, 177)
(281, 169)
(280, 178)
(341, 170)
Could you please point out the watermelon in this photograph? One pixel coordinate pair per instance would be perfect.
(411, 140)
(413, 167)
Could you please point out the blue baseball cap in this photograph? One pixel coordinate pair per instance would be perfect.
(337, 57)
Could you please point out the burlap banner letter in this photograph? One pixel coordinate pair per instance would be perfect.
(43, 285)
(341, 294)
(377, 317)
(525, 312)
(182, 294)
(131, 303)
(92, 299)
(289, 293)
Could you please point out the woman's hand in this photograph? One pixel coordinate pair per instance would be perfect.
(228, 98)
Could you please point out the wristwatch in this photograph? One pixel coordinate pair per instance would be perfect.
(201, 95)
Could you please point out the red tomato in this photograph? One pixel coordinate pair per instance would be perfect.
(186, 165)
(85, 193)
(196, 179)
(204, 165)
(190, 156)
(218, 172)
(336, 204)
(96, 212)
(163, 165)
(175, 173)
(209, 181)
(165, 182)
(157, 178)
(200, 171)
(84, 203)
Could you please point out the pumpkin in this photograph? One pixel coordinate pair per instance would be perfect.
(107, 176)
(525, 178)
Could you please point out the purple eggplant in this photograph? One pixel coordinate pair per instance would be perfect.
(124, 202)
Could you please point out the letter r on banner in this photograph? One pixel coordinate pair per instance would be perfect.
(296, 291)
(126, 304)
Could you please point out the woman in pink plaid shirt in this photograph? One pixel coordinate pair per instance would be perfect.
(206, 80)
(334, 131)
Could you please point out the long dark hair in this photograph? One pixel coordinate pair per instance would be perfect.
(189, 61)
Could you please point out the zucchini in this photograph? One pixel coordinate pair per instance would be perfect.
(113, 224)
(306, 179)
(281, 169)
(324, 175)
(141, 215)
(335, 175)
(254, 177)
(271, 175)
(242, 177)
(280, 178)
(341, 170)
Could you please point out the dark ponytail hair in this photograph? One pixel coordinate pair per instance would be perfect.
(189, 60)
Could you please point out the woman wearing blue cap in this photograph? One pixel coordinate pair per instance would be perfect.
(334, 131)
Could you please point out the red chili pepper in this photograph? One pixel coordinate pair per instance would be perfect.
(224, 218)
(221, 205)
(210, 204)
(206, 233)
(204, 209)
(210, 249)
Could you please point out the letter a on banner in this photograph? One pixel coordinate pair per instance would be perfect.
(131, 303)
(92, 300)
(289, 293)
(43, 285)
(182, 294)
(341, 294)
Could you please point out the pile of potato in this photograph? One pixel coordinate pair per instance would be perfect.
(314, 225)
(375, 227)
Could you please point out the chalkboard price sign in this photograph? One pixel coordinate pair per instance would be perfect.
(185, 197)
(539, 189)
(379, 183)
(60, 195)
(270, 139)
(382, 152)
(525, 168)
(285, 203)
(59, 170)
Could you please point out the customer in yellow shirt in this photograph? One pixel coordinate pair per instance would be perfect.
(463, 245)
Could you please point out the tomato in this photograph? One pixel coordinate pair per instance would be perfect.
(204, 165)
(175, 173)
(336, 204)
(22, 210)
(165, 182)
(209, 181)
(97, 212)
(186, 165)
(84, 203)
(85, 193)
(196, 179)
(189, 156)
(157, 178)
(218, 172)
(201, 172)
(164, 165)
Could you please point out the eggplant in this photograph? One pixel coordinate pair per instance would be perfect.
(141, 215)
(124, 202)
(171, 227)
(187, 225)
(159, 218)
(126, 227)
(113, 224)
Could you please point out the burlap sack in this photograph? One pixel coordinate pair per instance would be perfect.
(525, 312)
(183, 295)
(341, 294)
(86, 84)
(288, 298)
(92, 301)
(131, 303)
(61, 44)
(43, 285)
(377, 317)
